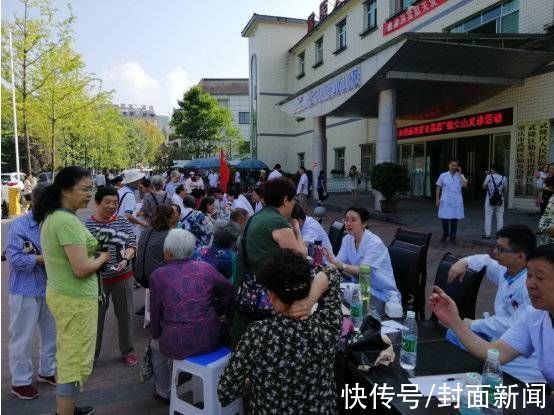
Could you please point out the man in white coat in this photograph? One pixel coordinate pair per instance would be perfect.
(449, 200)
(311, 229)
(275, 173)
(508, 271)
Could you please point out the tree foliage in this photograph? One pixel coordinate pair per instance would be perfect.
(203, 125)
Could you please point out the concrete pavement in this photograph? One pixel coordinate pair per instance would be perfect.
(115, 389)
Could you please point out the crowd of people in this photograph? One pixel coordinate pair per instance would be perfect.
(227, 268)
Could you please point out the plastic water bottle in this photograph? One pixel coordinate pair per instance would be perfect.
(408, 351)
(364, 278)
(471, 378)
(356, 312)
(492, 377)
(318, 254)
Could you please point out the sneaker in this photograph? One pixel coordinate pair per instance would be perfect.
(47, 379)
(130, 360)
(25, 392)
(160, 398)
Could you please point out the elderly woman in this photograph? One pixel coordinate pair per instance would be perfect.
(156, 197)
(362, 247)
(199, 222)
(188, 300)
(282, 354)
(72, 285)
(117, 276)
(264, 234)
(223, 250)
(150, 245)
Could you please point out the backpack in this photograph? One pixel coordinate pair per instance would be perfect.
(496, 198)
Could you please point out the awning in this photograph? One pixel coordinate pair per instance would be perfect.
(434, 74)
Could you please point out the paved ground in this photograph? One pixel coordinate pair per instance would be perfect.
(115, 389)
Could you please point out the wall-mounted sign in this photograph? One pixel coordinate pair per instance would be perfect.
(330, 89)
(531, 153)
(411, 14)
(489, 119)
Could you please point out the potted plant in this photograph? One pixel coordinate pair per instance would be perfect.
(337, 174)
(389, 179)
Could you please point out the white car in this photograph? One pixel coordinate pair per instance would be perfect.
(10, 180)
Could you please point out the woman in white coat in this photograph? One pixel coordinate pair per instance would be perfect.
(449, 200)
(362, 247)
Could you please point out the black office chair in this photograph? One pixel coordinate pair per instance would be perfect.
(406, 274)
(417, 284)
(336, 233)
(464, 293)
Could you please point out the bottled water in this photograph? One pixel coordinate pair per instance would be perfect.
(408, 351)
(364, 278)
(356, 313)
(471, 378)
(492, 377)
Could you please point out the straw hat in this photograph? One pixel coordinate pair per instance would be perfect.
(132, 175)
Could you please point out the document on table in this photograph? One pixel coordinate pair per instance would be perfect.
(435, 385)
(391, 326)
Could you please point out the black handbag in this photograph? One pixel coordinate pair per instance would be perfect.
(252, 298)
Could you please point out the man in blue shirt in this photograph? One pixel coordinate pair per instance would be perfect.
(28, 309)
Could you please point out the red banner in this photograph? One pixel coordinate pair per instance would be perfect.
(490, 119)
(411, 14)
(224, 173)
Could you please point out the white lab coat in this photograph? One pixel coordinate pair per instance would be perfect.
(374, 253)
(274, 175)
(510, 303)
(313, 231)
(451, 201)
(242, 202)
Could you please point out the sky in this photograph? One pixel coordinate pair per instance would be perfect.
(150, 52)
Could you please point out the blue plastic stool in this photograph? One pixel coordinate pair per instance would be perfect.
(207, 368)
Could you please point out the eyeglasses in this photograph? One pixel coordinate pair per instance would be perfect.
(502, 250)
(88, 189)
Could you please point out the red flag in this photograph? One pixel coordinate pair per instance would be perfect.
(224, 173)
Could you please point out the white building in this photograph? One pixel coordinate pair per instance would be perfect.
(231, 93)
(416, 82)
(147, 113)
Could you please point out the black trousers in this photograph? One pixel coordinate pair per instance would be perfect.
(449, 227)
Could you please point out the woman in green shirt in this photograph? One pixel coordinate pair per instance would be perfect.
(266, 233)
(72, 287)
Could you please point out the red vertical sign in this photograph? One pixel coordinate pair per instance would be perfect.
(224, 173)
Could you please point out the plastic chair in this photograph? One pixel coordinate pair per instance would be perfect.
(206, 370)
(464, 293)
(336, 233)
(406, 273)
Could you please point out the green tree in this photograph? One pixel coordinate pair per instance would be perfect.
(34, 38)
(202, 124)
(165, 156)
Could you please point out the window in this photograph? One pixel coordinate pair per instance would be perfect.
(301, 63)
(301, 158)
(339, 159)
(370, 15)
(396, 6)
(341, 35)
(367, 161)
(503, 18)
(223, 103)
(244, 118)
(318, 52)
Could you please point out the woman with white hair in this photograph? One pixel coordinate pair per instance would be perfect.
(156, 197)
(188, 300)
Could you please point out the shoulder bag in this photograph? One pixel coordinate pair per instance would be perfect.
(252, 298)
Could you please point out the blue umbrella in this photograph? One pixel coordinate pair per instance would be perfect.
(211, 163)
(252, 164)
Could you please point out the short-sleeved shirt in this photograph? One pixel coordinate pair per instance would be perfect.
(259, 239)
(303, 184)
(127, 201)
(499, 180)
(533, 332)
(59, 229)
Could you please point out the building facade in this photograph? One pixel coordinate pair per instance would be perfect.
(231, 93)
(415, 82)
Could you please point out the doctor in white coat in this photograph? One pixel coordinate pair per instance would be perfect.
(362, 247)
(449, 200)
(508, 271)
